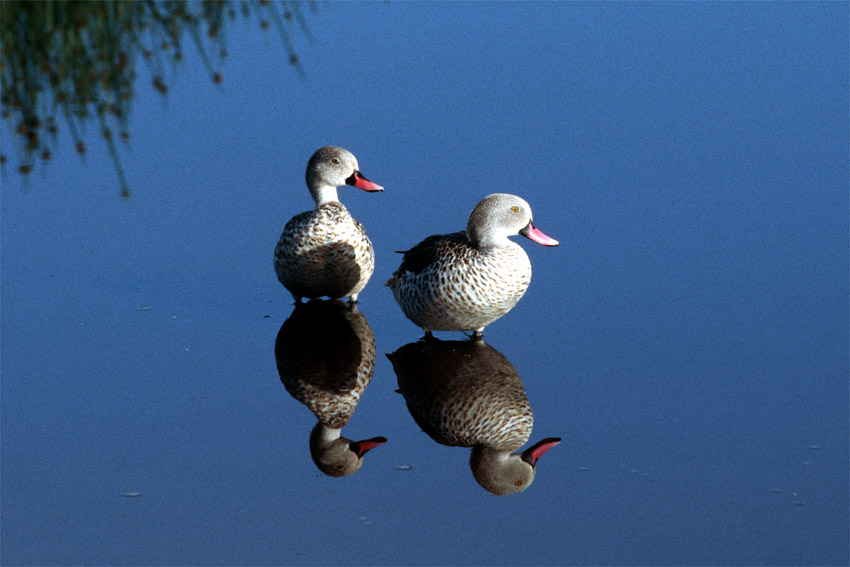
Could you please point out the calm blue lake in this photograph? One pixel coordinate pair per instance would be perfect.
(687, 341)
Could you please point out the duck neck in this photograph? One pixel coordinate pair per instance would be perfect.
(483, 232)
(486, 239)
(482, 454)
(323, 194)
(322, 436)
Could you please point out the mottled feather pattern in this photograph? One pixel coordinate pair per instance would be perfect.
(447, 284)
(325, 355)
(324, 253)
(464, 394)
(430, 250)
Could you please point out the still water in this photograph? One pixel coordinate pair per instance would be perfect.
(163, 401)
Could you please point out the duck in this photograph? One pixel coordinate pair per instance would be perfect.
(468, 394)
(325, 252)
(325, 354)
(465, 280)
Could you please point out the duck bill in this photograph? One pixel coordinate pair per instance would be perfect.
(357, 180)
(537, 236)
(534, 452)
(362, 447)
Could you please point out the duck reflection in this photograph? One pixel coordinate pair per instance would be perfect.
(467, 394)
(325, 355)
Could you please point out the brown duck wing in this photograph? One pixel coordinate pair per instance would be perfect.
(429, 250)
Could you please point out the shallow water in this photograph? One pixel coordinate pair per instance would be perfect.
(687, 341)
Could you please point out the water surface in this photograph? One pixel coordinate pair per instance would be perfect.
(688, 341)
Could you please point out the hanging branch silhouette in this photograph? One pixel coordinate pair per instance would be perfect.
(71, 62)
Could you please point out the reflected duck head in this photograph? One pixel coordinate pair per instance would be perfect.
(503, 473)
(338, 456)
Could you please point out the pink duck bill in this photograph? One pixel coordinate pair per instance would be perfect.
(534, 452)
(357, 180)
(537, 236)
(361, 447)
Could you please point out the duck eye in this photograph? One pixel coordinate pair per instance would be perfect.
(335, 161)
(519, 482)
(514, 209)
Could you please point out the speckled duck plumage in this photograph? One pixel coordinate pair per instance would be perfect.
(464, 394)
(325, 252)
(467, 394)
(466, 280)
(325, 355)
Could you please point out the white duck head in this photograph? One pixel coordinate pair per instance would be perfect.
(500, 215)
(332, 167)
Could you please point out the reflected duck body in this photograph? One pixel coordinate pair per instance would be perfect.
(325, 354)
(468, 394)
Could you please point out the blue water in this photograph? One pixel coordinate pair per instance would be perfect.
(687, 341)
